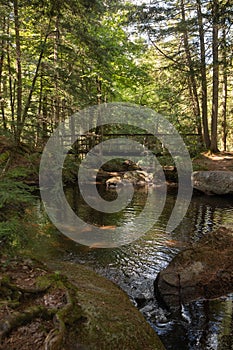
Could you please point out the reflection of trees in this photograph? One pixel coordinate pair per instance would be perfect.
(216, 326)
(204, 214)
(210, 326)
(226, 328)
(92, 216)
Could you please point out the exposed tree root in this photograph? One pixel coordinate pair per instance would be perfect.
(13, 287)
(18, 319)
(18, 297)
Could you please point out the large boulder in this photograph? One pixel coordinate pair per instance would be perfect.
(66, 307)
(202, 271)
(213, 182)
(110, 319)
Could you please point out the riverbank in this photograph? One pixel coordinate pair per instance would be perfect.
(219, 161)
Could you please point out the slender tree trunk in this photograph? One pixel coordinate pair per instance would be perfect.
(39, 113)
(224, 113)
(45, 119)
(2, 57)
(34, 80)
(203, 75)
(28, 102)
(215, 50)
(56, 74)
(192, 78)
(99, 128)
(18, 69)
(99, 90)
(64, 110)
(11, 84)
(225, 91)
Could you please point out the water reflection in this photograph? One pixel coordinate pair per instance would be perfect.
(201, 324)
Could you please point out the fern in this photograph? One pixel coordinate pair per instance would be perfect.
(14, 196)
(4, 157)
(14, 193)
(18, 173)
(11, 234)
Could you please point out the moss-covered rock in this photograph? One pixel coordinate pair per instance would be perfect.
(65, 307)
(112, 322)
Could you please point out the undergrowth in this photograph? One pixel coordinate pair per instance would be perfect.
(15, 196)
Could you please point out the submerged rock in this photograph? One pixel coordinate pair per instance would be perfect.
(213, 182)
(203, 271)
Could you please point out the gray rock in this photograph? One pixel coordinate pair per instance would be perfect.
(213, 182)
(202, 271)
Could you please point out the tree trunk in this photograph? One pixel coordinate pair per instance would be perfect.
(28, 102)
(45, 120)
(2, 57)
(214, 118)
(192, 79)
(18, 70)
(56, 73)
(203, 75)
(99, 128)
(225, 91)
(11, 84)
(39, 113)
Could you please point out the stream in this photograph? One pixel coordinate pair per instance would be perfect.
(203, 324)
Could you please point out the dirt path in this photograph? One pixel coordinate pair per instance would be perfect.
(220, 161)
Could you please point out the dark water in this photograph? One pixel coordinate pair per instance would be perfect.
(201, 324)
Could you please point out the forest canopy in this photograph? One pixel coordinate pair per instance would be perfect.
(57, 57)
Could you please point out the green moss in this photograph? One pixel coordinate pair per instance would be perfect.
(43, 282)
(199, 167)
(107, 319)
(95, 313)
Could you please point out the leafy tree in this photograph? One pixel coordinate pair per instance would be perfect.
(187, 37)
(67, 55)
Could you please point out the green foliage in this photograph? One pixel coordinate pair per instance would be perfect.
(14, 193)
(166, 160)
(199, 167)
(14, 197)
(17, 173)
(70, 168)
(175, 61)
(4, 157)
(80, 52)
(11, 234)
(72, 54)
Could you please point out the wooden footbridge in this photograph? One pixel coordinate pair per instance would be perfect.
(83, 143)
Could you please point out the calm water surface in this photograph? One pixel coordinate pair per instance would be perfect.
(201, 324)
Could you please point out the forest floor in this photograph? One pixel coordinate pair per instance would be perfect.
(26, 308)
(220, 161)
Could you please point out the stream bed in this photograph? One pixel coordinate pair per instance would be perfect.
(200, 325)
